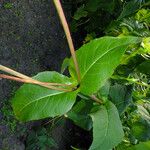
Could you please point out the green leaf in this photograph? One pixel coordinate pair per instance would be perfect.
(140, 128)
(140, 131)
(122, 146)
(141, 146)
(32, 102)
(92, 5)
(146, 44)
(130, 8)
(80, 114)
(107, 128)
(98, 59)
(80, 13)
(143, 15)
(65, 64)
(96, 4)
(121, 96)
(144, 67)
(103, 92)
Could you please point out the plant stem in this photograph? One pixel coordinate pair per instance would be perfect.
(93, 97)
(68, 35)
(12, 72)
(26, 79)
(32, 82)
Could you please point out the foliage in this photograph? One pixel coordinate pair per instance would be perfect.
(102, 16)
(40, 140)
(59, 102)
(40, 102)
(8, 5)
(93, 70)
(8, 117)
(107, 129)
(112, 96)
(79, 113)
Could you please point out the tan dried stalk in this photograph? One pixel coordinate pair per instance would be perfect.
(68, 35)
(23, 78)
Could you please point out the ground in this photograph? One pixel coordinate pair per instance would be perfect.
(31, 40)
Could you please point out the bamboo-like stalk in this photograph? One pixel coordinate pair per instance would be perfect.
(23, 78)
(94, 98)
(15, 73)
(68, 35)
(47, 85)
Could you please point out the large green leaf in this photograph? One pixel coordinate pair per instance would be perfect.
(107, 128)
(98, 59)
(32, 102)
(81, 12)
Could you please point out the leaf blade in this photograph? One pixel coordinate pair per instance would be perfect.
(107, 129)
(33, 102)
(98, 59)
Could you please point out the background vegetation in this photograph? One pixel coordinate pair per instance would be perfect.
(128, 88)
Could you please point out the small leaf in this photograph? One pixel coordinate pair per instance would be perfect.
(103, 92)
(130, 8)
(146, 44)
(143, 15)
(93, 6)
(107, 128)
(80, 13)
(33, 102)
(98, 59)
(65, 64)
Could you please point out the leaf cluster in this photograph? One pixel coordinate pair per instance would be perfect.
(112, 96)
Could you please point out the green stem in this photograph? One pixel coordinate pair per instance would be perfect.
(92, 97)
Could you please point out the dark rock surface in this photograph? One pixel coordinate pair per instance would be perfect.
(31, 40)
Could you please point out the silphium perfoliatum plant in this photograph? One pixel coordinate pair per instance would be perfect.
(51, 94)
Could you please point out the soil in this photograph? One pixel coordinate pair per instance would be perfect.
(31, 40)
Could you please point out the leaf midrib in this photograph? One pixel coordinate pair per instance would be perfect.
(98, 59)
(55, 94)
(102, 141)
(106, 132)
